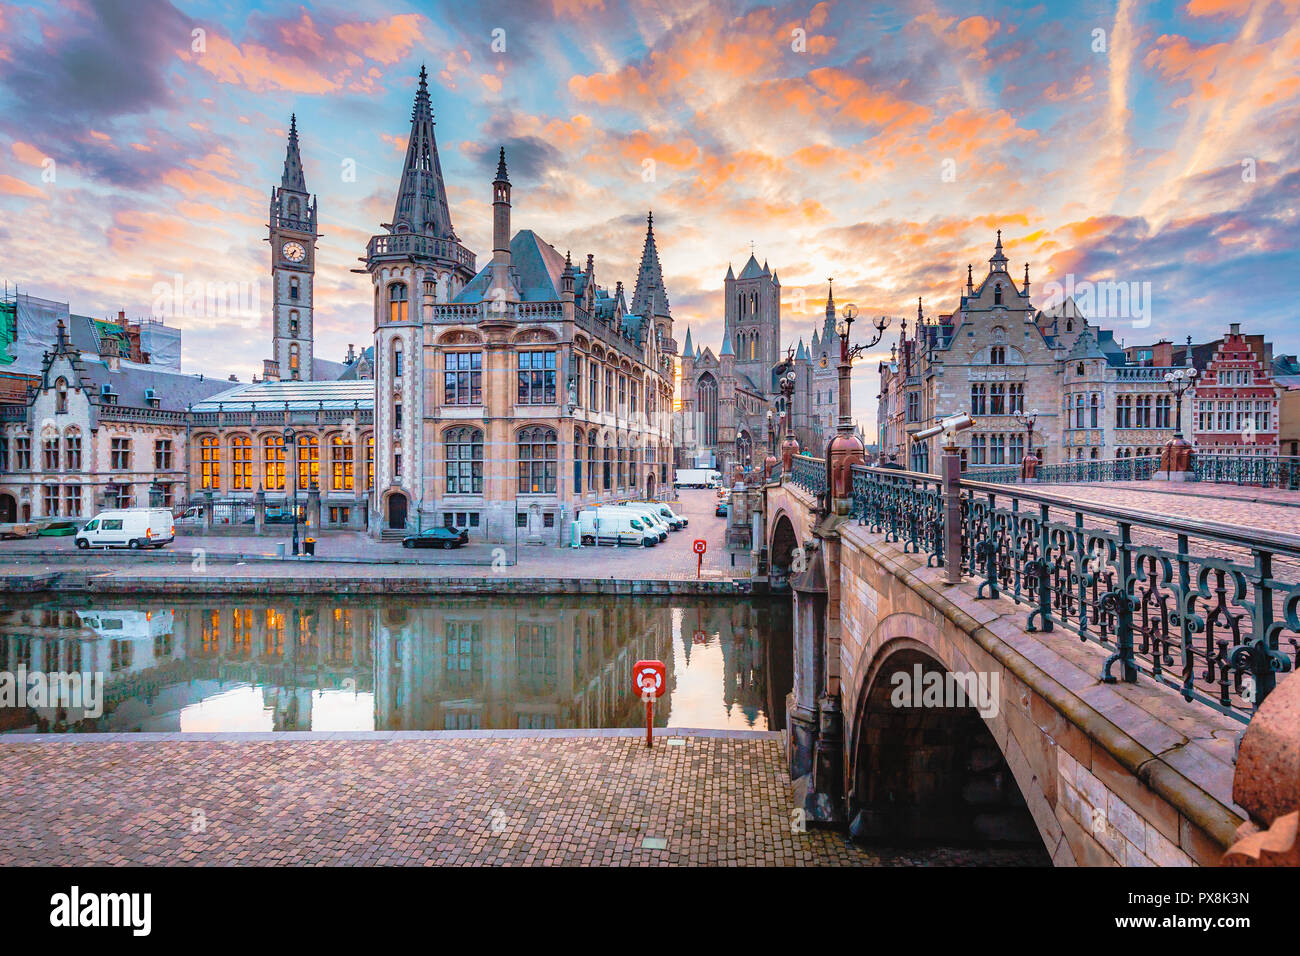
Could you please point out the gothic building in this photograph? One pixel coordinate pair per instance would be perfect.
(292, 226)
(726, 396)
(507, 398)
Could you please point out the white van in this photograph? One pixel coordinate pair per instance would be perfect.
(614, 526)
(133, 528)
(648, 516)
(675, 521)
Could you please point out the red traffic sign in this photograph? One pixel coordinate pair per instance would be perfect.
(699, 637)
(650, 675)
(700, 546)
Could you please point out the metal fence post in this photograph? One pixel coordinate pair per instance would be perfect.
(950, 463)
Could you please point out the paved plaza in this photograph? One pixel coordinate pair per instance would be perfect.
(419, 800)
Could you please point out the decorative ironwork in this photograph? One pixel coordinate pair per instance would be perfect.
(1209, 610)
(809, 473)
(1266, 472)
(1095, 469)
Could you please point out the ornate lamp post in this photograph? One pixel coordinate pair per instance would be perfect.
(1176, 461)
(771, 460)
(790, 446)
(290, 439)
(1029, 464)
(845, 449)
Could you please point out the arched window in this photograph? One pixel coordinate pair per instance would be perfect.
(293, 359)
(633, 463)
(308, 462)
(607, 465)
(210, 463)
(397, 302)
(1069, 325)
(241, 463)
(463, 449)
(273, 463)
(61, 397)
(744, 448)
(997, 293)
(397, 358)
(370, 462)
(998, 355)
(578, 450)
(293, 321)
(537, 461)
(706, 404)
(341, 463)
(294, 287)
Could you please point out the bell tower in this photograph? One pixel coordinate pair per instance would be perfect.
(293, 235)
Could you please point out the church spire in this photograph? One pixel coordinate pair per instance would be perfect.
(421, 197)
(998, 261)
(293, 177)
(650, 298)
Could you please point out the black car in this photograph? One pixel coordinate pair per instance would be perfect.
(437, 538)
(720, 511)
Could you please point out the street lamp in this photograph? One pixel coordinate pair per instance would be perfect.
(1179, 381)
(1027, 468)
(290, 440)
(844, 450)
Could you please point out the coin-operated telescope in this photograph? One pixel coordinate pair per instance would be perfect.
(948, 427)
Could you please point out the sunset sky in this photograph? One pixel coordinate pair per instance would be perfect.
(1140, 142)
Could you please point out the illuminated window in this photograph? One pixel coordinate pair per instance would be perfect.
(308, 462)
(241, 463)
(341, 452)
(397, 302)
(210, 463)
(273, 463)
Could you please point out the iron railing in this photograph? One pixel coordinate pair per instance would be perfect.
(1105, 469)
(1210, 610)
(809, 473)
(1266, 472)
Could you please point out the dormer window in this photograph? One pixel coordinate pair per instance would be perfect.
(1069, 325)
(61, 397)
(997, 294)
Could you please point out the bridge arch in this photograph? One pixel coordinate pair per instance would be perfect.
(784, 541)
(920, 773)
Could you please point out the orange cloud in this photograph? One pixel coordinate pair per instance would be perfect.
(28, 154)
(10, 186)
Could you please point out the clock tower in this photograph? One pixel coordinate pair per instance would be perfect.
(293, 237)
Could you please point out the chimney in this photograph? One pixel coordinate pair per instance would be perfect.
(1234, 328)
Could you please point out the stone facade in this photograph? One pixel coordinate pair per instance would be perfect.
(1236, 402)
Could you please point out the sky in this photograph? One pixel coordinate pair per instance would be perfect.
(1153, 144)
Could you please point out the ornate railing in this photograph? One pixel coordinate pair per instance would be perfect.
(1107, 469)
(809, 473)
(1278, 472)
(1210, 610)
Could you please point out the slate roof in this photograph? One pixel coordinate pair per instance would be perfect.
(537, 264)
(752, 269)
(174, 390)
(308, 396)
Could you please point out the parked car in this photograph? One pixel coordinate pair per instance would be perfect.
(273, 516)
(16, 531)
(58, 529)
(720, 511)
(133, 528)
(447, 538)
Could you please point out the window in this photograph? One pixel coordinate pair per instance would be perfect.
(997, 399)
(998, 450)
(1016, 399)
(1124, 412)
(609, 391)
(1142, 412)
(998, 355)
(607, 467)
(1094, 410)
(1164, 411)
(978, 400)
(397, 302)
(462, 378)
(22, 454)
(166, 490)
(294, 287)
(622, 391)
(50, 497)
(209, 463)
(591, 462)
(293, 322)
(536, 378)
(463, 448)
(978, 450)
(1079, 410)
(913, 406)
(162, 455)
(4, 453)
(632, 393)
(121, 454)
(537, 461)
(997, 294)
(340, 515)
(397, 358)
(1015, 448)
(397, 416)
(594, 376)
(273, 463)
(51, 456)
(241, 463)
(578, 451)
(397, 464)
(308, 462)
(72, 500)
(294, 356)
(370, 462)
(576, 379)
(341, 452)
(706, 406)
(61, 397)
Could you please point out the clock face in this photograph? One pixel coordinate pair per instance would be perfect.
(293, 251)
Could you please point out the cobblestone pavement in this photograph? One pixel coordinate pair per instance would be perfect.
(672, 559)
(1268, 509)
(586, 801)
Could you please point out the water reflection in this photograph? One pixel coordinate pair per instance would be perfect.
(408, 664)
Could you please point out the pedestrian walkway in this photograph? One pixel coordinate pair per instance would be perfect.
(488, 799)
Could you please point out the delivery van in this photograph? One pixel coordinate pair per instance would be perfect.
(613, 526)
(133, 528)
(648, 516)
(675, 521)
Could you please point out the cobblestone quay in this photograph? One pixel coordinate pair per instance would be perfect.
(588, 798)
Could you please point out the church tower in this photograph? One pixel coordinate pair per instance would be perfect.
(416, 262)
(293, 236)
(650, 298)
(753, 321)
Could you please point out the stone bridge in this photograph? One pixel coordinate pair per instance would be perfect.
(927, 710)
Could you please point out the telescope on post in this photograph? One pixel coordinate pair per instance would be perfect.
(948, 427)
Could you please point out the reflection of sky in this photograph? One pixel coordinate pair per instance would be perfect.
(342, 710)
(240, 709)
(697, 692)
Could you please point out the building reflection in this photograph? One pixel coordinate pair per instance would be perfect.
(446, 664)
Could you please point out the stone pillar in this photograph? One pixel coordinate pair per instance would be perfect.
(207, 511)
(950, 470)
(259, 511)
(313, 510)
